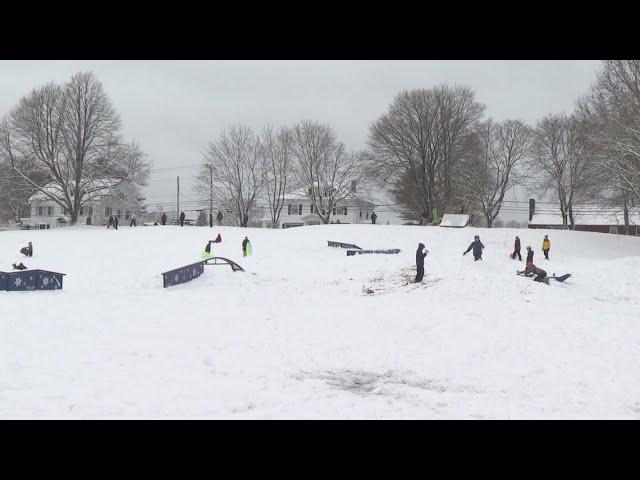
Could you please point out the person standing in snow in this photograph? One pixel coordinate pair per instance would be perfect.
(27, 251)
(207, 251)
(245, 244)
(182, 216)
(516, 249)
(219, 217)
(163, 219)
(420, 262)
(218, 239)
(477, 247)
(133, 221)
(373, 218)
(115, 222)
(110, 222)
(529, 257)
(546, 246)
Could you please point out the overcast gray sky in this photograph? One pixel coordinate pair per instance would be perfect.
(173, 108)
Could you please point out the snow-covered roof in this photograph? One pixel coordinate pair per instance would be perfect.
(606, 217)
(351, 199)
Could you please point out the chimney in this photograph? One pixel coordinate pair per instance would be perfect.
(532, 208)
(353, 186)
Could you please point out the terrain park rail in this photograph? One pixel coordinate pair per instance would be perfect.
(189, 272)
(342, 245)
(29, 280)
(388, 251)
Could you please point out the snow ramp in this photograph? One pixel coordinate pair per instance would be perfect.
(454, 220)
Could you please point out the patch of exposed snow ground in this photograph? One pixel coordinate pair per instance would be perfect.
(307, 332)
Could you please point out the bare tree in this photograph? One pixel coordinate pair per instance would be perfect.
(612, 108)
(14, 194)
(237, 165)
(69, 135)
(489, 171)
(418, 140)
(323, 167)
(276, 155)
(560, 154)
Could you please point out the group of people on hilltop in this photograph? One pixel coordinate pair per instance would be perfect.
(477, 247)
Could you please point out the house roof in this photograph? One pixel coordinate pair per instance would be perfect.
(604, 217)
(351, 199)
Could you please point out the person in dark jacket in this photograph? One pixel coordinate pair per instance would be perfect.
(420, 262)
(19, 266)
(477, 247)
(529, 257)
(218, 239)
(245, 242)
(115, 222)
(27, 251)
(110, 222)
(219, 217)
(540, 275)
(163, 219)
(373, 218)
(182, 215)
(516, 249)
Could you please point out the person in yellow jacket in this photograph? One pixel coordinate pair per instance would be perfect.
(546, 246)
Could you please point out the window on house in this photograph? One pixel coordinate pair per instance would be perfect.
(300, 209)
(89, 211)
(127, 214)
(81, 211)
(333, 212)
(360, 213)
(66, 211)
(312, 208)
(613, 229)
(50, 211)
(40, 211)
(344, 210)
(119, 212)
(289, 209)
(107, 211)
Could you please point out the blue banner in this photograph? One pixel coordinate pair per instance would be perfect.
(30, 280)
(182, 274)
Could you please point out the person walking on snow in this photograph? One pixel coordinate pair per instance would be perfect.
(546, 246)
(529, 257)
(516, 249)
(420, 262)
(246, 247)
(373, 218)
(182, 215)
(477, 247)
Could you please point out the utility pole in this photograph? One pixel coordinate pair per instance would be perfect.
(210, 195)
(178, 198)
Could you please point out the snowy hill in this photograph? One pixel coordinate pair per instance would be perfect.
(295, 336)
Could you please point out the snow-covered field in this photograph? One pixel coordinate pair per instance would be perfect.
(295, 336)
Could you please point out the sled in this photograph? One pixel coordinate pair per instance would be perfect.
(561, 278)
(342, 245)
(248, 250)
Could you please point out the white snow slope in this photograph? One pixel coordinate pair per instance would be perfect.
(295, 336)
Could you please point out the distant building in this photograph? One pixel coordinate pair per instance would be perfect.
(120, 201)
(602, 220)
(298, 210)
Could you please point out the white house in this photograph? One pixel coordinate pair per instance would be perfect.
(298, 210)
(119, 201)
